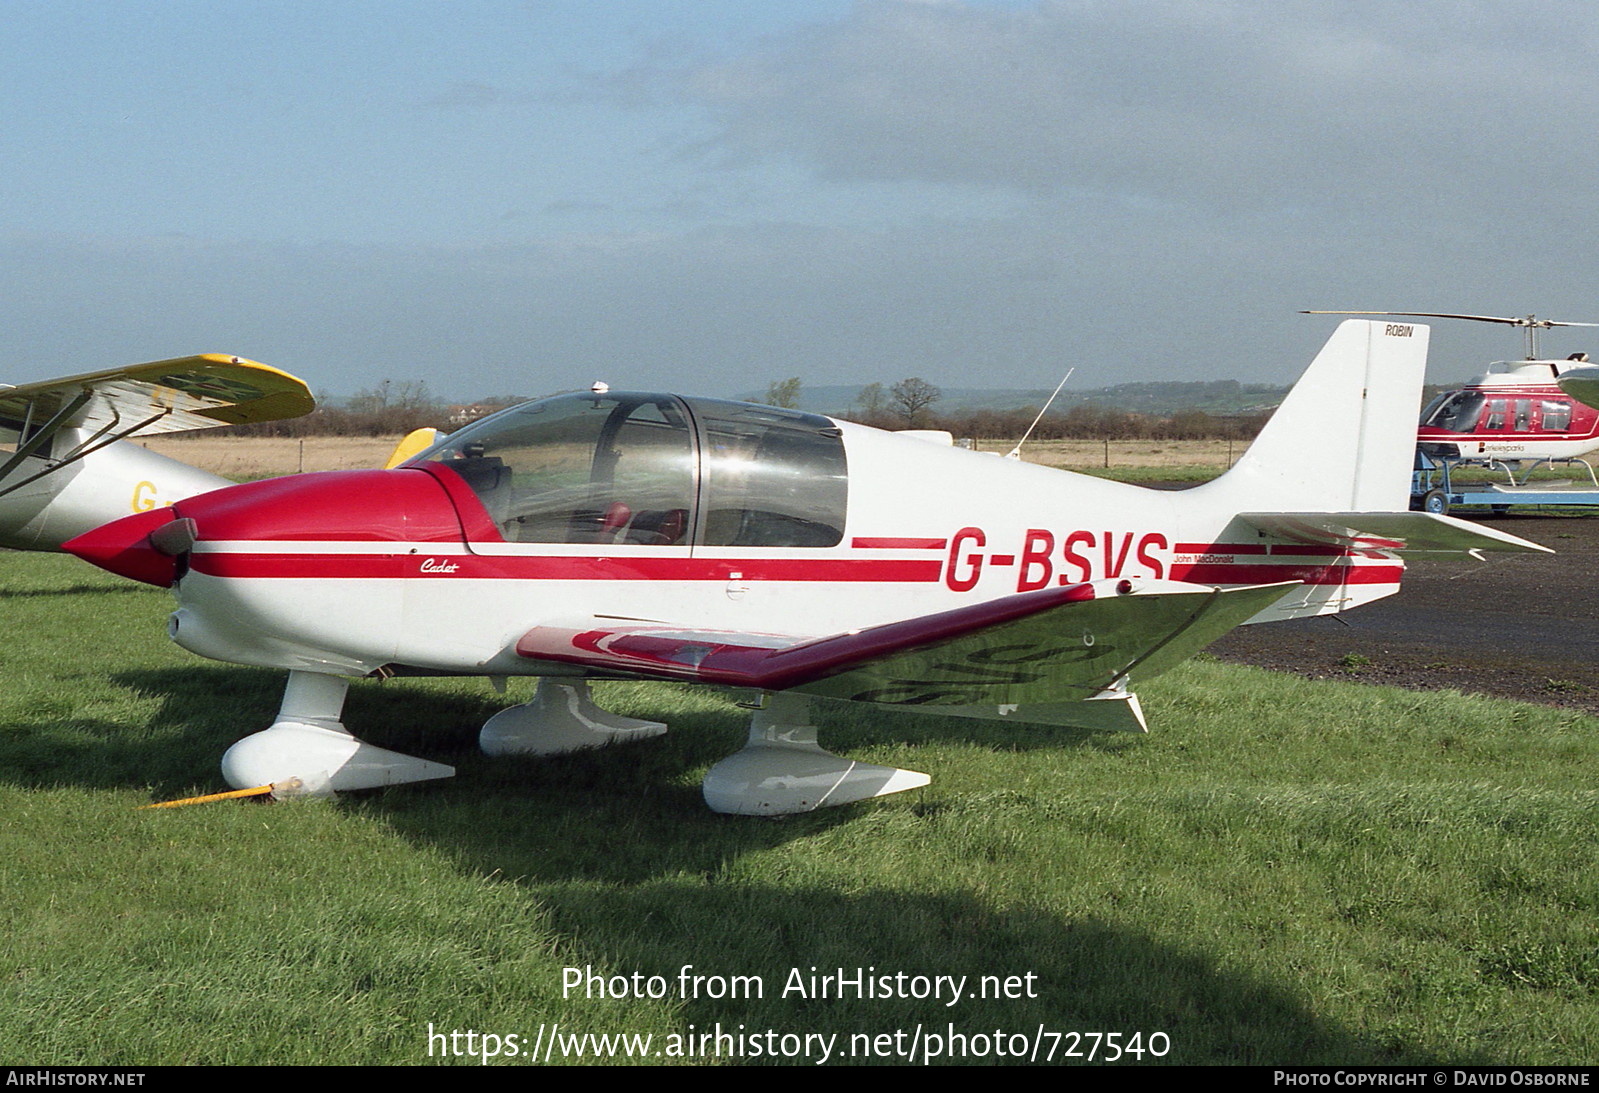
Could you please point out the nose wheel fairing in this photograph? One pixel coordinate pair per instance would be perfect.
(308, 741)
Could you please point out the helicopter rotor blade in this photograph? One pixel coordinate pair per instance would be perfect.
(1527, 320)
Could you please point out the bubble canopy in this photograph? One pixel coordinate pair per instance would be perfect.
(633, 468)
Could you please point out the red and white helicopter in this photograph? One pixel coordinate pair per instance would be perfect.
(1517, 412)
(790, 556)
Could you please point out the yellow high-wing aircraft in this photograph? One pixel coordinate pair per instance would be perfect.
(64, 468)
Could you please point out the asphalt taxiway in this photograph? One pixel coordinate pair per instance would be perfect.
(1522, 626)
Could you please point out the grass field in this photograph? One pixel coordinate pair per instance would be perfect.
(252, 457)
(1281, 872)
(244, 457)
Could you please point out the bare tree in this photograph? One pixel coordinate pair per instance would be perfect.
(911, 398)
(785, 393)
(871, 401)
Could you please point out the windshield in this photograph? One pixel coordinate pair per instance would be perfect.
(580, 469)
(1456, 413)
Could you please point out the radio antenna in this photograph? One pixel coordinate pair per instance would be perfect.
(1016, 452)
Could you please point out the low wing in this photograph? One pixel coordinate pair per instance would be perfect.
(1398, 531)
(1581, 383)
(159, 397)
(1053, 645)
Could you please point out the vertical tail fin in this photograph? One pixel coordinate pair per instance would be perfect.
(1344, 439)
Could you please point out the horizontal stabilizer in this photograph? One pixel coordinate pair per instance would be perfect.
(1397, 531)
(1053, 645)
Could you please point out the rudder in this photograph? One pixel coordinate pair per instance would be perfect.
(1344, 438)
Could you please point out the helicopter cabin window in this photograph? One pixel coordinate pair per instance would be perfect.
(1556, 416)
(771, 477)
(1456, 412)
(1495, 418)
(599, 469)
(1523, 415)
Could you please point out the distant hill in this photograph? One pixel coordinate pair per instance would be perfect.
(1158, 398)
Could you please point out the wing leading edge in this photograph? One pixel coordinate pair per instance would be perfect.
(161, 397)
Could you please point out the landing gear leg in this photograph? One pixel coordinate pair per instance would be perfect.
(782, 770)
(308, 742)
(562, 717)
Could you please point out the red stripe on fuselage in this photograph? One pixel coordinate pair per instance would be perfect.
(1285, 550)
(548, 568)
(1304, 550)
(841, 570)
(891, 543)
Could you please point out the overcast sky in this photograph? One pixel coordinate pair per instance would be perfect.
(521, 197)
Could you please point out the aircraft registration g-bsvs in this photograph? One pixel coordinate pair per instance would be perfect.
(613, 534)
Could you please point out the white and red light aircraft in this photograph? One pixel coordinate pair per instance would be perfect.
(643, 535)
(1520, 414)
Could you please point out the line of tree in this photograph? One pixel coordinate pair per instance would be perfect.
(394, 409)
(907, 404)
(910, 404)
(1084, 422)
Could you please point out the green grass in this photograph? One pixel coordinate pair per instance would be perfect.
(1283, 871)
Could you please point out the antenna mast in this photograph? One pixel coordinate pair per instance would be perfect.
(1016, 452)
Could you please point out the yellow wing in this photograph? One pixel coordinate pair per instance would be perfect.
(160, 397)
(415, 441)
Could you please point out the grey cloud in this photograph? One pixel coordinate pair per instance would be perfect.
(1222, 105)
